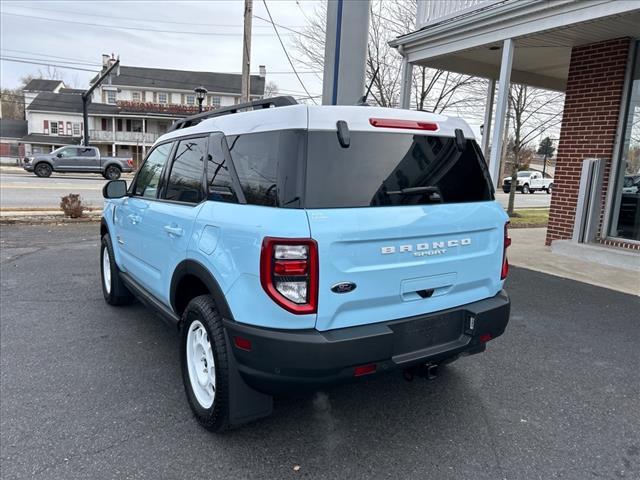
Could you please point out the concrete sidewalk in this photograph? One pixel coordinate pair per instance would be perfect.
(529, 251)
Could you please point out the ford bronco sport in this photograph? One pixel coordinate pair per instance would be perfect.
(297, 246)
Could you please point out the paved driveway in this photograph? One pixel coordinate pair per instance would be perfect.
(91, 391)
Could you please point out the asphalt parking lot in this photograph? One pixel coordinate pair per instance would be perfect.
(19, 189)
(92, 391)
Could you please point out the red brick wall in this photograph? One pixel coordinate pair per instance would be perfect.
(589, 122)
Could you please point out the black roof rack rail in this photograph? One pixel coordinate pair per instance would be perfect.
(282, 101)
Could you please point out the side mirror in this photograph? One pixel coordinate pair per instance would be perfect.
(59, 155)
(115, 189)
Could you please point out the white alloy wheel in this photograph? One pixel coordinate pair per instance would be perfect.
(202, 368)
(106, 269)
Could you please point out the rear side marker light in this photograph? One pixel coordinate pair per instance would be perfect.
(407, 124)
(505, 263)
(289, 273)
(485, 337)
(242, 343)
(130, 162)
(364, 370)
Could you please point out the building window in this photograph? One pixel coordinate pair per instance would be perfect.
(45, 127)
(215, 102)
(104, 124)
(162, 97)
(111, 96)
(76, 129)
(191, 99)
(54, 128)
(626, 207)
(136, 97)
(68, 128)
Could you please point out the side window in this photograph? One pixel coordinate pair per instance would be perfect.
(185, 180)
(149, 175)
(87, 152)
(255, 157)
(219, 181)
(69, 152)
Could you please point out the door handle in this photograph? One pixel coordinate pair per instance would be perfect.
(173, 231)
(134, 218)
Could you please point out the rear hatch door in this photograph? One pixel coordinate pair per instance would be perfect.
(405, 224)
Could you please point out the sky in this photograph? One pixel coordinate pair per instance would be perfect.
(203, 35)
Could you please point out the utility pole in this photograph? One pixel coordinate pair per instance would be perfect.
(86, 99)
(246, 51)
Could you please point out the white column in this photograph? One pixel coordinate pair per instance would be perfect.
(405, 85)
(501, 109)
(488, 116)
(113, 135)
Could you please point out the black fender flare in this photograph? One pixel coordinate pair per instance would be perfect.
(192, 267)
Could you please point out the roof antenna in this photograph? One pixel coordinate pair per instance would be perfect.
(363, 100)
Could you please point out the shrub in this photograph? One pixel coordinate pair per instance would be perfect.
(72, 205)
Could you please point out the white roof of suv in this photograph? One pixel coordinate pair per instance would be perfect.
(323, 117)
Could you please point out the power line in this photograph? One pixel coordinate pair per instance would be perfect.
(118, 27)
(5, 59)
(286, 53)
(49, 55)
(297, 32)
(155, 21)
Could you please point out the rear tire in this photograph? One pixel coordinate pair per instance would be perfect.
(113, 288)
(202, 343)
(506, 190)
(550, 188)
(112, 173)
(43, 170)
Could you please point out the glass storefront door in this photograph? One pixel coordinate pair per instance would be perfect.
(626, 213)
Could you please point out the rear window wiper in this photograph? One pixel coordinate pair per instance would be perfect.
(436, 195)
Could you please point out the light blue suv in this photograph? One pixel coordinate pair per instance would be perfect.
(297, 246)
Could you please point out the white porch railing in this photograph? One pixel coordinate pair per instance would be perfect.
(433, 11)
(128, 137)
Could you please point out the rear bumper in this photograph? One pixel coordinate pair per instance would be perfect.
(281, 361)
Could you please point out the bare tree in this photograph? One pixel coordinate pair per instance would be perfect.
(532, 112)
(432, 90)
(271, 89)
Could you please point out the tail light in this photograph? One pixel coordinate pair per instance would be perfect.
(289, 273)
(130, 162)
(505, 262)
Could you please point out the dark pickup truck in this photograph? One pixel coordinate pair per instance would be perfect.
(78, 160)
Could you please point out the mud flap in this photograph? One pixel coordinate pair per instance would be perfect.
(245, 403)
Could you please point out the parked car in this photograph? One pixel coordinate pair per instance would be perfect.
(631, 184)
(528, 182)
(301, 246)
(78, 160)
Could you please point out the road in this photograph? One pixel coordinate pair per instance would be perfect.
(24, 190)
(92, 391)
(21, 189)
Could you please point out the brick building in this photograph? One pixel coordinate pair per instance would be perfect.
(588, 49)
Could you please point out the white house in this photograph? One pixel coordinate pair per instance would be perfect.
(128, 111)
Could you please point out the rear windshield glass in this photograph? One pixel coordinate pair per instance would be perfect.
(387, 169)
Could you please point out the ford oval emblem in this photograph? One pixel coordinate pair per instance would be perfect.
(343, 287)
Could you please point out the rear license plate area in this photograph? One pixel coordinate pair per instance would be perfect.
(420, 333)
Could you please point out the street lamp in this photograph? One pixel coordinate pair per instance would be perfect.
(200, 92)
